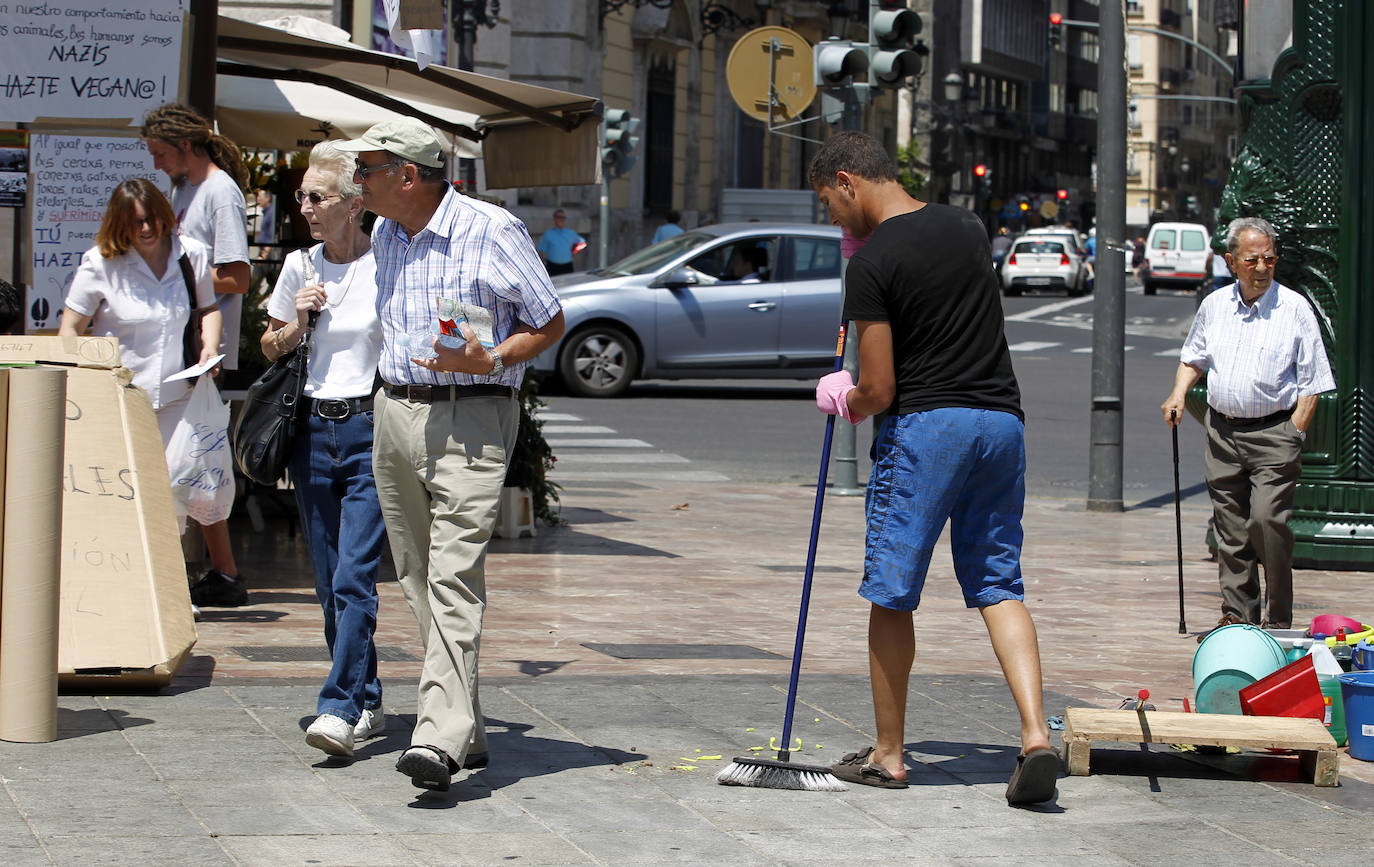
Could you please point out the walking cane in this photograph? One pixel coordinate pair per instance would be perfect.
(1178, 525)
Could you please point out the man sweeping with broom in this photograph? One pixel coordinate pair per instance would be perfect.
(932, 352)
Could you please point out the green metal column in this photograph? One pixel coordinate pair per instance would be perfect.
(1306, 165)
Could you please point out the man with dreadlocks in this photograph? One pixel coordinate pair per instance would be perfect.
(208, 179)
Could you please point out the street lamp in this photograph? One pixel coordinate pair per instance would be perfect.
(954, 87)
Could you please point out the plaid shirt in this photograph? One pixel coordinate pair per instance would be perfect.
(473, 252)
(1260, 358)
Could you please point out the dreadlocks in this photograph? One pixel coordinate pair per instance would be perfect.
(175, 123)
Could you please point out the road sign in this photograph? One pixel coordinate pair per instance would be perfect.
(776, 54)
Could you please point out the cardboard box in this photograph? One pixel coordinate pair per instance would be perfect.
(125, 619)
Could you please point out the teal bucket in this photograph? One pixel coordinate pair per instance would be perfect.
(1230, 659)
(1357, 690)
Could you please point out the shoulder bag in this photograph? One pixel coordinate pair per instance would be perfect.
(191, 343)
(266, 426)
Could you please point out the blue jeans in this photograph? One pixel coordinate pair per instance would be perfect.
(331, 468)
(958, 465)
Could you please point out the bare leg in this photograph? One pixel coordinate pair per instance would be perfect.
(891, 651)
(217, 544)
(1013, 640)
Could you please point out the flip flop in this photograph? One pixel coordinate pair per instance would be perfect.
(855, 768)
(1033, 780)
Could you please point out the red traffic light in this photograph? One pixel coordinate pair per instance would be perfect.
(1056, 19)
(1062, 195)
(980, 170)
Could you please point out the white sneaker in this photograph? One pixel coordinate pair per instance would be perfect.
(331, 734)
(370, 725)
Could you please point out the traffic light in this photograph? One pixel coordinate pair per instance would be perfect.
(892, 28)
(1056, 29)
(838, 62)
(618, 142)
(1061, 194)
(983, 178)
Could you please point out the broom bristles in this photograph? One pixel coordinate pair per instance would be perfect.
(769, 774)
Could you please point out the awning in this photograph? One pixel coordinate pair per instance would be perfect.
(283, 90)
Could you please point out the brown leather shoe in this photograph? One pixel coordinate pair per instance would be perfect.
(1226, 620)
(1276, 624)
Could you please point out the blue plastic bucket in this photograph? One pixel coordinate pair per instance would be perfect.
(1362, 659)
(1230, 659)
(1357, 690)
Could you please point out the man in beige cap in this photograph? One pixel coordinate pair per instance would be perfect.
(446, 414)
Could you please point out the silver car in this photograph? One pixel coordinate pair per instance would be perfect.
(738, 300)
(1044, 262)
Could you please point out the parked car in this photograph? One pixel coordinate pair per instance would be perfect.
(1044, 262)
(738, 300)
(1177, 255)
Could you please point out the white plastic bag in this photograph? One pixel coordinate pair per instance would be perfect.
(198, 458)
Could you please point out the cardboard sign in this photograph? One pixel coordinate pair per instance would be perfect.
(126, 609)
(88, 58)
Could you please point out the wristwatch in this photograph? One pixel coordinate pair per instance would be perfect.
(497, 365)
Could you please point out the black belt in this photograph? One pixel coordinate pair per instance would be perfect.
(1262, 421)
(432, 393)
(339, 408)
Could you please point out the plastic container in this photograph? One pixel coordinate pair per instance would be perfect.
(1367, 631)
(1358, 689)
(1291, 691)
(1298, 649)
(1327, 624)
(1363, 657)
(1229, 659)
(1334, 718)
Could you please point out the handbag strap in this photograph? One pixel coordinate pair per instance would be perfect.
(189, 279)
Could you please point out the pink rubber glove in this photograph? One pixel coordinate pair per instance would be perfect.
(832, 396)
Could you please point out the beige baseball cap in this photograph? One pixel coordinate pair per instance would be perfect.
(406, 138)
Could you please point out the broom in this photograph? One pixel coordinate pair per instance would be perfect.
(781, 773)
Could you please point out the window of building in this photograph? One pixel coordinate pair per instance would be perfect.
(1088, 46)
(660, 108)
(1087, 102)
(1133, 53)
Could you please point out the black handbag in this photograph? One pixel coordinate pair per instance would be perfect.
(266, 428)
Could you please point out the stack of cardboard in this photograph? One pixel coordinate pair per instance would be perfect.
(125, 619)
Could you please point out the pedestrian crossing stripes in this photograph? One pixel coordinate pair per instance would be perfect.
(590, 452)
(1042, 345)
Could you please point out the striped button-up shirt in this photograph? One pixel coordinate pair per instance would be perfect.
(1260, 358)
(478, 254)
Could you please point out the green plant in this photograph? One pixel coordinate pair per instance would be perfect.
(533, 458)
(912, 179)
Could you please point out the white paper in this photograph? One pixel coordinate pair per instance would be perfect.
(193, 372)
(422, 43)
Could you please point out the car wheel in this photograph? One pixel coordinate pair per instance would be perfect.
(598, 361)
(1149, 288)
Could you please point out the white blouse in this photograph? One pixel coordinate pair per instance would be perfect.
(147, 315)
(348, 337)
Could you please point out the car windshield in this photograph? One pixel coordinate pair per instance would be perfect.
(653, 258)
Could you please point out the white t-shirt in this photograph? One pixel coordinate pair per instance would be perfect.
(348, 337)
(215, 213)
(145, 314)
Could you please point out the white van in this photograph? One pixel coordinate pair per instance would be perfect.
(1177, 255)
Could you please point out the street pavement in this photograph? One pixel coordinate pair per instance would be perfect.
(629, 654)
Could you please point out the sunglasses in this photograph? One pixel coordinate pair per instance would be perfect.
(365, 170)
(315, 198)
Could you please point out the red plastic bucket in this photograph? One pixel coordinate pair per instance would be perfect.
(1291, 691)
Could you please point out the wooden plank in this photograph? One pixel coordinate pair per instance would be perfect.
(1172, 727)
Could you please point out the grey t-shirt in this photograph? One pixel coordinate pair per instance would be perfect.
(215, 213)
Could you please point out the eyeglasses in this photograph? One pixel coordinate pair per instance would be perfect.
(1252, 261)
(364, 170)
(315, 198)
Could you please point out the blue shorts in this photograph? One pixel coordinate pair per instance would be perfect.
(967, 466)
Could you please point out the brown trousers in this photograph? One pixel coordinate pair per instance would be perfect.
(1252, 474)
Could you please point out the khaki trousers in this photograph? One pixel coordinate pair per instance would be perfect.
(440, 468)
(1252, 475)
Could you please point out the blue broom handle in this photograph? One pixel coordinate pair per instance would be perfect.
(786, 749)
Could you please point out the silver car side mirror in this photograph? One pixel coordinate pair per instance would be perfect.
(679, 277)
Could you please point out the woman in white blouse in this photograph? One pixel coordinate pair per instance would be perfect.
(131, 286)
(331, 465)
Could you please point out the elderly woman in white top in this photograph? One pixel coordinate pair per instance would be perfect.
(131, 286)
(331, 466)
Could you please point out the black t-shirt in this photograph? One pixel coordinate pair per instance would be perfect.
(929, 275)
